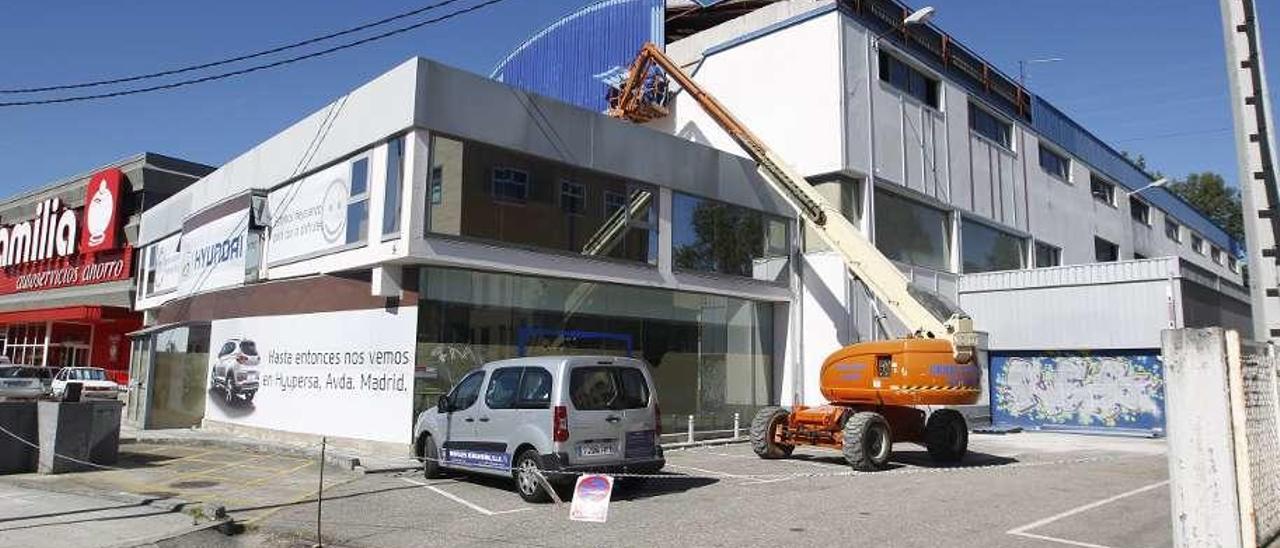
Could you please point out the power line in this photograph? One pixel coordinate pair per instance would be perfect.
(255, 68)
(229, 60)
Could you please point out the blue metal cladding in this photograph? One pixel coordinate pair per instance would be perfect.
(1060, 129)
(1108, 390)
(573, 58)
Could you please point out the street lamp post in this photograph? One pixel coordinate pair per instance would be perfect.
(918, 17)
(1153, 184)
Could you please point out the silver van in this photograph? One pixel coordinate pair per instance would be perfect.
(557, 415)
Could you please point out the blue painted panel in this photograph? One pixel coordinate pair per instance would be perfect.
(1066, 133)
(1099, 390)
(573, 58)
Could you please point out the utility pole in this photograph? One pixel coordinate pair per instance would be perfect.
(1255, 155)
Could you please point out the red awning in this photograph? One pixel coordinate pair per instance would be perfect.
(66, 314)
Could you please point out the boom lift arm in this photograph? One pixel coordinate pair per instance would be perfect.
(640, 100)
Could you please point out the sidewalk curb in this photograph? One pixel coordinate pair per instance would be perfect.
(156, 539)
(705, 443)
(332, 458)
(160, 503)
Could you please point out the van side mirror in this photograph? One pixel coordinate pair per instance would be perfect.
(443, 404)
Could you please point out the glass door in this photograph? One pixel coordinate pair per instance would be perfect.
(139, 371)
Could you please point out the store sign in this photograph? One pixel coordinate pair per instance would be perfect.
(41, 252)
(309, 216)
(165, 264)
(211, 256)
(315, 374)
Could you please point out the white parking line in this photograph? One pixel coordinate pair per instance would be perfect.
(1022, 531)
(462, 501)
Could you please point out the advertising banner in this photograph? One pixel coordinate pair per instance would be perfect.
(213, 255)
(165, 263)
(347, 374)
(310, 216)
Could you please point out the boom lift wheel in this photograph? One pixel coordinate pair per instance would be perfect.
(867, 441)
(766, 429)
(946, 436)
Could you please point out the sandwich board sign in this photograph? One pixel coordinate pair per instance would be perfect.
(591, 498)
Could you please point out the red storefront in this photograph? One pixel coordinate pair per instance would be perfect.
(67, 264)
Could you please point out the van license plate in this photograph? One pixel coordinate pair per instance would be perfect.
(595, 449)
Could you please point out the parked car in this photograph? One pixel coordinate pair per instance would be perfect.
(93, 380)
(25, 382)
(553, 416)
(236, 370)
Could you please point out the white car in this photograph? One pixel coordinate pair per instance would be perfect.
(236, 371)
(24, 382)
(93, 380)
(554, 416)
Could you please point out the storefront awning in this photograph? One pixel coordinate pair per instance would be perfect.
(66, 314)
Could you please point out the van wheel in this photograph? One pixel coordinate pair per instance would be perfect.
(946, 436)
(430, 458)
(764, 431)
(526, 474)
(867, 442)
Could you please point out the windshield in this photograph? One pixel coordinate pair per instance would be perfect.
(86, 375)
(249, 348)
(9, 372)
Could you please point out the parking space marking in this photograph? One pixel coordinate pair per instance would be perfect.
(462, 501)
(1022, 531)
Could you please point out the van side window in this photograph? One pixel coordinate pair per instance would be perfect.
(535, 389)
(467, 392)
(503, 385)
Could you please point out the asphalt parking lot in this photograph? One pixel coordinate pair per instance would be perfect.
(1019, 490)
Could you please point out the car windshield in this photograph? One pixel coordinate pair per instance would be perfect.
(249, 348)
(86, 375)
(600, 388)
(9, 372)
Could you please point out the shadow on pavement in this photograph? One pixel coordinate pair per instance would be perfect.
(901, 459)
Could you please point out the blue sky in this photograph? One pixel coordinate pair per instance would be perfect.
(1146, 75)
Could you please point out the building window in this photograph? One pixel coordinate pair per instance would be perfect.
(437, 185)
(990, 126)
(1233, 264)
(25, 343)
(1173, 231)
(1055, 164)
(573, 198)
(1105, 251)
(613, 203)
(712, 355)
(1197, 244)
(392, 188)
(1047, 255)
(1215, 253)
(358, 202)
(1140, 211)
(510, 185)
(984, 249)
(553, 214)
(1103, 190)
(711, 236)
(910, 232)
(906, 78)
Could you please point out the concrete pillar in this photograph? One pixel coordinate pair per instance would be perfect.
(1202, 467)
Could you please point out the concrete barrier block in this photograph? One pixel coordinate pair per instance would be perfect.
(19, 418)
(86, 431)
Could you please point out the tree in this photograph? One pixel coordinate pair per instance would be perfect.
(1209, 193)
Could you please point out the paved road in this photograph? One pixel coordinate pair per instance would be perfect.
(1023, 490)
(30, 517)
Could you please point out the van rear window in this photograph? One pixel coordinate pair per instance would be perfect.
(601, 388)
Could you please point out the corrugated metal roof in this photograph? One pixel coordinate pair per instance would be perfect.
(1069, 275)
(570, 59)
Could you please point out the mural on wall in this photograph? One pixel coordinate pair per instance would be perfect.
(1114, 389)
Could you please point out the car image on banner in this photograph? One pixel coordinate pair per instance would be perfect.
(345, 374)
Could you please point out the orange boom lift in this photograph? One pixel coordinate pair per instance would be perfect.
(875, 389)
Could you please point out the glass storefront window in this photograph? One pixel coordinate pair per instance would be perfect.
(985, 249)
(712, 355)
(911, 232)
(25, 343)
(484, 192)
(711, 236)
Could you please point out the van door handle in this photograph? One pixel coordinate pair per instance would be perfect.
(613, 419)
(484, 419)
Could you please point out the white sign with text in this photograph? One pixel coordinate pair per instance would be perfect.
(347, 374)
(310, 215)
